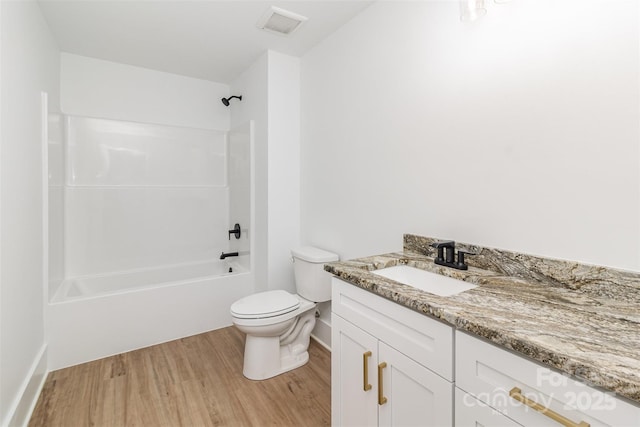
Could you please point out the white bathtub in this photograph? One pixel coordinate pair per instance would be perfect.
(91, 286)
(92, 317)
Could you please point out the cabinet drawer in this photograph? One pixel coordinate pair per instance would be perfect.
(470, 412)
(490, 374)
(425, 340)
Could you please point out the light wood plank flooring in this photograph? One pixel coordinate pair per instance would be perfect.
(194, 381)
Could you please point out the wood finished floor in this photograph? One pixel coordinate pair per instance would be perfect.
(194, 381)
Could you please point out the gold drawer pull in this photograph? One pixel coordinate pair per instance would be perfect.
(381, 399)
(516, 394)
(365, 370)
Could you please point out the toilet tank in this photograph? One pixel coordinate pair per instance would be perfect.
(312, 282)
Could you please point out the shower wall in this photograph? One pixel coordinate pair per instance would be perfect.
(56, 172)
(142, 196)
(240, 188)
(137, 170)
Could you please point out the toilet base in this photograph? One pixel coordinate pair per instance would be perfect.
(267, 357)
(259, 372)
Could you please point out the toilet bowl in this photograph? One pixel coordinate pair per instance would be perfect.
(278, 324)
(275, 343)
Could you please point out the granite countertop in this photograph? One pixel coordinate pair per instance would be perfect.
(583, 320)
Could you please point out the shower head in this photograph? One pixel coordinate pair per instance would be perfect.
(225, 101)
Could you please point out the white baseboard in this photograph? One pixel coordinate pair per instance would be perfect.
(22, 407)
(322, 333)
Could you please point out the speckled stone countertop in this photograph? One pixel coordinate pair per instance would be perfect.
(581, 319)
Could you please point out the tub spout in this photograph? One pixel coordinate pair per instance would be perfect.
(228, 254)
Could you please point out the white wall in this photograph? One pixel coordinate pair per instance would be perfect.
(29, 65)
(283, 167)
(519, 131)
(270, 90)
(97, 88)
(252, 85)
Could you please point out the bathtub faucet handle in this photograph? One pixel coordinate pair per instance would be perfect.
(236, 231)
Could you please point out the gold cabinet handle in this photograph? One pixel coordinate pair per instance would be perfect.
(365, 370)
(381, 399)
(516, 394)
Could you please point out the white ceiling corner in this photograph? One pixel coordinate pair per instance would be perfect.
(208, 39)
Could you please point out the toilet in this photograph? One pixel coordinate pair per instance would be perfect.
(278, 324)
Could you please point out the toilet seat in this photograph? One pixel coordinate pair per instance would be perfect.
(264, 305)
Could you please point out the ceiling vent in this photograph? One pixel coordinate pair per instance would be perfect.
(280, 21)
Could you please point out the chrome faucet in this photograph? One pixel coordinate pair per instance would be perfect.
(447, 254)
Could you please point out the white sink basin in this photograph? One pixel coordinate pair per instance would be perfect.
(424, 280)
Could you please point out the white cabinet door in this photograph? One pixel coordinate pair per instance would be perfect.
(354, 388)
(412, 395)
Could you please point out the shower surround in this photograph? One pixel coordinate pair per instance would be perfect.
(139, 214)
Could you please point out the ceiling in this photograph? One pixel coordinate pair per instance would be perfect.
(209, 39)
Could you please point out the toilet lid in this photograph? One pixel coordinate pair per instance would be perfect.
(264, 304)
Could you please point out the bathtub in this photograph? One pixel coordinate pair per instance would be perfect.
(92, 317)
(91, 286)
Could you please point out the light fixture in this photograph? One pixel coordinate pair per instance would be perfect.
(470, 10)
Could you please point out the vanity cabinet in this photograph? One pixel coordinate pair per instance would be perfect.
(390, 365)
(393, 366)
